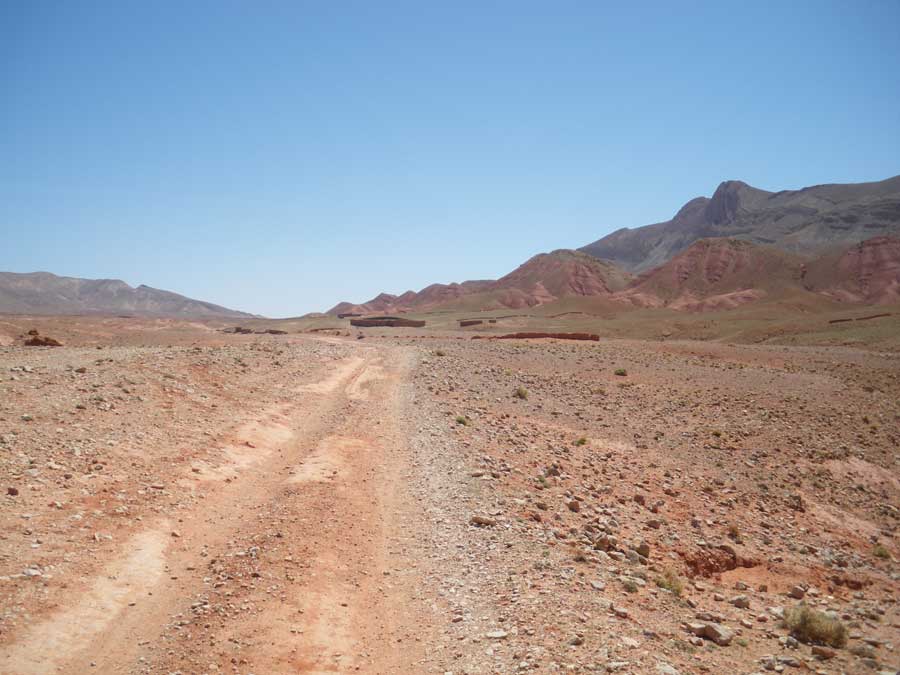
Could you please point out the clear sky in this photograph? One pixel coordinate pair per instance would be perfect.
(279, 157)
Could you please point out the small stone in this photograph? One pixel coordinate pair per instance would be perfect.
(12, 491)
(823, 653)
(482, 521)
(712, 631)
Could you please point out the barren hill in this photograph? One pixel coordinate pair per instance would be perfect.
(867, 272)
(810, 221)
(717, 274)
(543, 278)
(45, 293)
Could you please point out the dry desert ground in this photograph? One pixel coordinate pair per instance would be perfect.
(180, 500)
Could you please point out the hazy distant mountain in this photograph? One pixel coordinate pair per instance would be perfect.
(810, 221)
(45, 293)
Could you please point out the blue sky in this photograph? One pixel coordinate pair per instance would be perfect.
(280, 157)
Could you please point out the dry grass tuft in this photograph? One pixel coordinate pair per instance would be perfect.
(670, 582)
(813, 627)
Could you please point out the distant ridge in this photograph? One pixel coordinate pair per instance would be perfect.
(840, 242)
(808, 222)
(45, 293)
(541, 279)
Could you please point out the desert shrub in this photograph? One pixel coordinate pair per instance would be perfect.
(581, 441)
(440, 352)
(621, 372)
(630, 586)
(462, 419)
(521, 393)
(879, 551)
(670, 582)
(814, 627)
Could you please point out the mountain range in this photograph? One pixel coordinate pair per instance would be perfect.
(740, 245)
(743, 244)
(45, 293)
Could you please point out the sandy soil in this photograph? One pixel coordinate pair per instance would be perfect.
(179, 500)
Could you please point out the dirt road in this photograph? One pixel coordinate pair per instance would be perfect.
(259, 504)
(292, 560)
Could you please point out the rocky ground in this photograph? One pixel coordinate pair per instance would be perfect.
(179, 500)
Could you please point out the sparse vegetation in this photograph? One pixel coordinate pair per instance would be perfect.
(734, 533)
(880, 551)
(621, 372)
(440, 352)
(630, 586)
(670, 582)
(521, 393)
(463, 420)
(814, 627)
(581, 441)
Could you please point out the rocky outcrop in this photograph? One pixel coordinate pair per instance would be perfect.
(35, 339)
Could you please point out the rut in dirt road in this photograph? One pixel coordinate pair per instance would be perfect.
(284, 564)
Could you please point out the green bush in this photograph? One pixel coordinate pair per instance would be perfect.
(621, 372)
(879, 551)
(521, 393)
